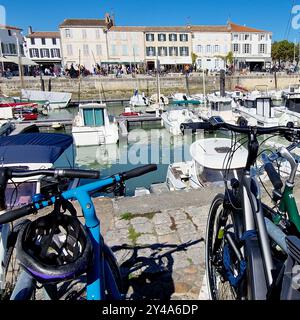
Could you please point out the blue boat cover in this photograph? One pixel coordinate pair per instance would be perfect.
(33, 148)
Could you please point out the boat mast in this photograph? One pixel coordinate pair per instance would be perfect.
(203, 79)
(157, 78)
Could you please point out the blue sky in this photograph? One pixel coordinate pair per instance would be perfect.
(272, 15)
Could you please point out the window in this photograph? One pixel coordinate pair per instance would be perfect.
(199, 49)
(97, 33)
(93, 117)
(247, 37)
(9, 32)
(162, 51)
(45, 53)
(32, 41)
(114, 50)
(162, 37)
(208, 49)
(150, 51)
(124, 50)
(173, 37)
(54, 42)
(68, 33)
(173, 51)
(34, 53)
(43, 41)
(217, 48)
(217, 64)
(86, 51)
(262, 37)
(84, 34)
(247, 48)
(184, 51)
(22, 50)
(12, 48)
(150, 37)
(98, 50)
(69, 50)
(235, 37)
(236, 47)
(184, 37)
(55, 53)
(262, 48)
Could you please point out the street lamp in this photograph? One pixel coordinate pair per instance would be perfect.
(20, 60)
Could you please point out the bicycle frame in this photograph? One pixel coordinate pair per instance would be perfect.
(100, 277)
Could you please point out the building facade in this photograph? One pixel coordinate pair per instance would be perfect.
(84, 42)
(44, 48)
(92, 41)
(11, 45)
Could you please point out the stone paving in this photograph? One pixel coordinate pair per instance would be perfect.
(161, 254)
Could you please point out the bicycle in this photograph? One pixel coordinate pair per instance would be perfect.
(103, 279)
(239, 258)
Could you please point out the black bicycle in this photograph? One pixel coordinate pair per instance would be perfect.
(240, 263)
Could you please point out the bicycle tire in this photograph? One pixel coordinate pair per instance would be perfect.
(214, 264)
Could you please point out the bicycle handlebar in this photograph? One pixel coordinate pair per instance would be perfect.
(139, 171)
(58, 173)
(13, 215)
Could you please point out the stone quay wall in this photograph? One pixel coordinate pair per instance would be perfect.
(122, 88)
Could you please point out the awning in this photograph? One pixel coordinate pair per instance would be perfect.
(24, 60)
(3, 59)
(255, 60)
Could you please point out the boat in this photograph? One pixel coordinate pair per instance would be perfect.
(182, 98)
(18, 111)
(290, 111)
(162, 99)
(57, 125)
(174, 118)
(92, 126)
(260, 111)
(33, 151)
(218, 105)
(130, 112)
(138, 100)
(50, 99)
(206, 169)
(199, 97)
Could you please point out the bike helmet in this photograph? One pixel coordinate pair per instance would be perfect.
(54, 248)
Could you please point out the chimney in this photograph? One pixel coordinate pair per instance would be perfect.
(29, 30)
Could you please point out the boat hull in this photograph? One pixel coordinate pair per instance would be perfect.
(94, 136)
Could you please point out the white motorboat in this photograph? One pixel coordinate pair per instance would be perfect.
(173, 119)
(207, 166)
(291, 109)
(259, 111)
(138, 100)
(54, 100)
(219, 106)
(92, 126)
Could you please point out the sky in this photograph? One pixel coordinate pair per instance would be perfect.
(270, 15)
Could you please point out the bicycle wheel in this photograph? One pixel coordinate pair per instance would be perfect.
(221, 220)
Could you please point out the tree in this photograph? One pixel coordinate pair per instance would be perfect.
(194, 58)
(284, 51)
(230, 57)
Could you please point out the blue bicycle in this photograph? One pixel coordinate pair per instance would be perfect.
(57, 248)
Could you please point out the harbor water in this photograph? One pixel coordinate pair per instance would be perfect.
(150, 143)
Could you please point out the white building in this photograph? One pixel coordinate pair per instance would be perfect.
(211, 44)
(11, 46)
(44, 48)
(250, 47)
(84, 42)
